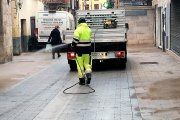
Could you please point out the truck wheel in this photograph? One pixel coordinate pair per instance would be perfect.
(123, 66)
(72, 67)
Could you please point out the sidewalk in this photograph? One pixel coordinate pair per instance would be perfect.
(23, 66)
(156, 77)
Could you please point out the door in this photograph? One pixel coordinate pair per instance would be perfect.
(164, 30)
(158, 27)
(24, 41)
(32, 20)
(175, 27)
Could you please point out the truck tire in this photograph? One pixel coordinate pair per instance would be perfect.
(122, 66)
(72, 66)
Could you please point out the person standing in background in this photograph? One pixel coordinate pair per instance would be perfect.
(55, 40)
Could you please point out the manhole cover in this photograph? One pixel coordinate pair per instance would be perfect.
(148, 62)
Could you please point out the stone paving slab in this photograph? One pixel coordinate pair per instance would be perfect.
(23, 66)
(111, 101)
(142, 91)
(156, 82)
(40, 97)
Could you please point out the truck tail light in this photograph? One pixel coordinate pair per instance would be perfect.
(36, 33)
(71, 55)
(120, 54)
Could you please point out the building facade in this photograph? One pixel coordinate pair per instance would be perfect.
(6, 48)
(91, 4)
(17, 23)
(27, 15)
(57, 4)
(168, 25)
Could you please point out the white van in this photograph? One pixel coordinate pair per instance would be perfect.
(46, 21)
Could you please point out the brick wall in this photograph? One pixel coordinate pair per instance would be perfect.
(141, 25)
(160, 2)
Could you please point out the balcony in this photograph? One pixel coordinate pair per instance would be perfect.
(55, 1)
(136, 2)
(56, 4)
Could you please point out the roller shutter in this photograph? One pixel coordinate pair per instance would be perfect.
(175, 26)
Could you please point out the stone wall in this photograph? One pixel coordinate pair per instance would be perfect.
(5, 32)
(16, 29)
(141, 22)
(160, 2)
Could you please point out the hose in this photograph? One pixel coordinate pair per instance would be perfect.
(93, 90)
(64, 91)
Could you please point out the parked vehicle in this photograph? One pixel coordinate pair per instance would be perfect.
(46, 21)
(109, 36)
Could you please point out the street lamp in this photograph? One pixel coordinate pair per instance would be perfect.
(8, 2)
(19, 3)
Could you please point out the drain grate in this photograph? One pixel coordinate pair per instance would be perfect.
(148, 62)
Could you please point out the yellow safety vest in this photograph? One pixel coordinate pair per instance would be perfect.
(82, 35)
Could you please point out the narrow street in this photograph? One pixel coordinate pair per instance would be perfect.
(142, 91)
(142, 37)
(41, 96)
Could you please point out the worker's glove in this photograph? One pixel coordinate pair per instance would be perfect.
(73, 44)
(73, 48)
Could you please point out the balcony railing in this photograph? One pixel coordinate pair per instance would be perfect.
(135, 2)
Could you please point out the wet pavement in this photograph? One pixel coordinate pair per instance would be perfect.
(156, 77)
(148, 89)
(22, 67)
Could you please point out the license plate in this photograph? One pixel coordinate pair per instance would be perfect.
(98, 54)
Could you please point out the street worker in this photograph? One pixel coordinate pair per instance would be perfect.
(82, 44)
(55, 40)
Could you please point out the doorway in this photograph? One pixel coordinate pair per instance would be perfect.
(158, 27)
(24, 38)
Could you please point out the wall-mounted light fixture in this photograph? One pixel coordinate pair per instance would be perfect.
(8, 1)
(19, 3)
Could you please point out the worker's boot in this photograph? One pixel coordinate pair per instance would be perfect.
(81, 81)
(59, 55)
(88, 75)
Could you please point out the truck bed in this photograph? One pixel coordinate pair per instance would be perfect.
(109, 36)
(100, 35)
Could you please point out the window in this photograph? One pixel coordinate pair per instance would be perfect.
(136, 2)
(96, 6)
(87, 7)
